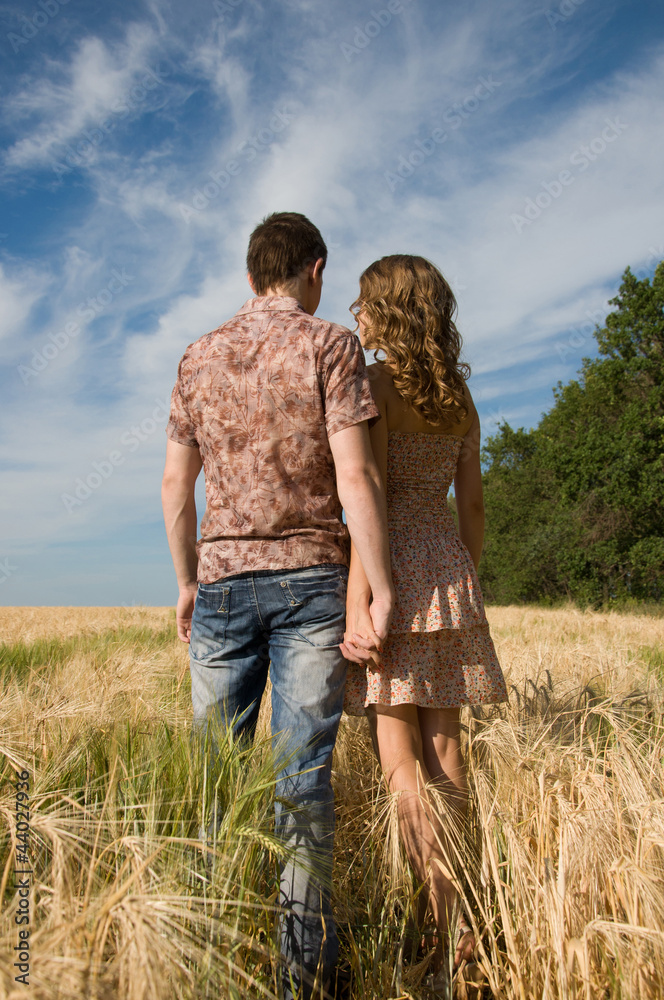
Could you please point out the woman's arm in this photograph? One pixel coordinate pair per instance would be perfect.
(468, 491)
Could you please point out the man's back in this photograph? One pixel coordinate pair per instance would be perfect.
(260, 397)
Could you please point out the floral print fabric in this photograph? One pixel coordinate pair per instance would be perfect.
(434, 576)
(260, 396)
(439, 652)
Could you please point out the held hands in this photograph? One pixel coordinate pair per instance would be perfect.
(367, 626)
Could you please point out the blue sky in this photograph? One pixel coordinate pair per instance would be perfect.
(517, 145)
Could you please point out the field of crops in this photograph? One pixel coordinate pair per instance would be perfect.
(561, 865)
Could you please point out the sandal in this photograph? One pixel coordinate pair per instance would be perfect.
(463, 930)
(468, 975)
(469, 978)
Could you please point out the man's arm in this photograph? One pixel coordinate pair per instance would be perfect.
(179, 503)
(359, 592)
(363, 499)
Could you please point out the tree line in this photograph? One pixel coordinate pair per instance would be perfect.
(575, 506)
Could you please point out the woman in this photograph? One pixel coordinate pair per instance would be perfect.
(439, 654)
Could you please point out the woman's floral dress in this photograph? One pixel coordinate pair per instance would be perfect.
(439, 652)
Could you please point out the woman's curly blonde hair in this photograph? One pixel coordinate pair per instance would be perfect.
(408, 310)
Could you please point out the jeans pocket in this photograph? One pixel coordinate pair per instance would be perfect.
(327, 582)
(209, 624)
(316, 605)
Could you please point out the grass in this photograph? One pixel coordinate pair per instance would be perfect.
(561, 865)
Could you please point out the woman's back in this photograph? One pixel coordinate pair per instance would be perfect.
(403, 418)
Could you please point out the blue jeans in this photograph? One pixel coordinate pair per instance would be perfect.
(288, 624)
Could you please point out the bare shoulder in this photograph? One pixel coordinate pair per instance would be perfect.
(382, 385)
(470, 430)
(472, 416)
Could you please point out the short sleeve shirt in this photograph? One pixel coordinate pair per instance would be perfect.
(260, 396)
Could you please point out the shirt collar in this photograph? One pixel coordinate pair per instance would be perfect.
(271, 303)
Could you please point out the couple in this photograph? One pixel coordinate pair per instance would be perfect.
(290, 427)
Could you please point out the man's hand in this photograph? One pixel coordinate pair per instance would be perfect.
(178, 497)
(184, 610)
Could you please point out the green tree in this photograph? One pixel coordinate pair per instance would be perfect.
(575, 507)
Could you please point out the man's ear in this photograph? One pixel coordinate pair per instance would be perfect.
(317, 270)
(251, 284)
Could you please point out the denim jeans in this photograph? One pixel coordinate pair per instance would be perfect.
(288, 624)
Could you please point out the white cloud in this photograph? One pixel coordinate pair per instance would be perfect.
(19, 292)
(70, 98)
(227, 76)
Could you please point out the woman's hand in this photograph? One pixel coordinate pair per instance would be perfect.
(362, 644)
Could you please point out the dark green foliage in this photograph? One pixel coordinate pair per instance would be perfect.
(575, 507)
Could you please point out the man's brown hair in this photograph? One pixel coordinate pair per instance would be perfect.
(280, 247)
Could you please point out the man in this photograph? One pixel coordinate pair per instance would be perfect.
(275, 405)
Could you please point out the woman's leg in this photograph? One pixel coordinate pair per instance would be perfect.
(440, 731)
(398, 740)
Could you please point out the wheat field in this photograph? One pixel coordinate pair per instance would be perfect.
(561, 865)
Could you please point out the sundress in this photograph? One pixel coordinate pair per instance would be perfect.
(439, 653)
